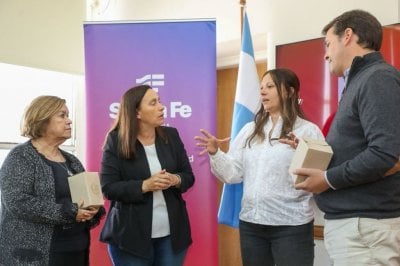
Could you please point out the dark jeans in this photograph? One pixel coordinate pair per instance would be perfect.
(161, 255)
(266, 245)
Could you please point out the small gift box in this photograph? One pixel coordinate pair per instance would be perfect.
(310, 153)
(86, 186)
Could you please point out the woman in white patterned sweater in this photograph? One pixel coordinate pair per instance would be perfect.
(276, 220)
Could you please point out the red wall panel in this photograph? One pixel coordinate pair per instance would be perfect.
(319, 89)
(391, 44)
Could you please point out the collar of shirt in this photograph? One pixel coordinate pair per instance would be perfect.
(345, 76)
(274, 130)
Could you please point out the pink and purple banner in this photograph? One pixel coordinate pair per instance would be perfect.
(177, 58)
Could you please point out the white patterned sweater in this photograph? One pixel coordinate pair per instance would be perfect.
(269, 196)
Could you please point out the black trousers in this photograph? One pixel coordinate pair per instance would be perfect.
(75, 258)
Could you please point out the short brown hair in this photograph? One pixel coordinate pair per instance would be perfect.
(38, 114)
(365, 25)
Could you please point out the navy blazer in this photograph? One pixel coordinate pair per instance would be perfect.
(129, 220)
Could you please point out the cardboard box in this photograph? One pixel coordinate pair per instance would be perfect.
(310, 153)
(86, 186)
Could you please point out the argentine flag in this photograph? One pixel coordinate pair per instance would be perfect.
(247, 100)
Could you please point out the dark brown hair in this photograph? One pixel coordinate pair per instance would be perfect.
(127, 123)
(365, 25)
(288, 86)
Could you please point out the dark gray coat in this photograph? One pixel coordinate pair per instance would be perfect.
(365, 138)
(29, 210)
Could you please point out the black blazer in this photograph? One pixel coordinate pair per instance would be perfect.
(129, 220)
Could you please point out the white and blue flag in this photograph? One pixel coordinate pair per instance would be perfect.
(247, 100)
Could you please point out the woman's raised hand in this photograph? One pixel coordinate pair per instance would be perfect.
(208, 142)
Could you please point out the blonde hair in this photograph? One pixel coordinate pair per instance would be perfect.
(37, 115)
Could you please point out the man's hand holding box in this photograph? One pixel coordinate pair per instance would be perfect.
(310, 153)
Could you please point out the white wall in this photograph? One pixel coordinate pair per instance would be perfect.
(272, 22)
(302, 20)
(44, 34)
(48, 34)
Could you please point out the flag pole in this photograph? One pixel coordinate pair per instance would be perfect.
(242, 7)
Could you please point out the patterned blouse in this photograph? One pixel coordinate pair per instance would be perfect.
(269, 196)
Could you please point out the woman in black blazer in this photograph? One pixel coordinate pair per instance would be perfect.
(144, 171)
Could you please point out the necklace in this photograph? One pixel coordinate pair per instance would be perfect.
(47, 153)
(65, 167)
